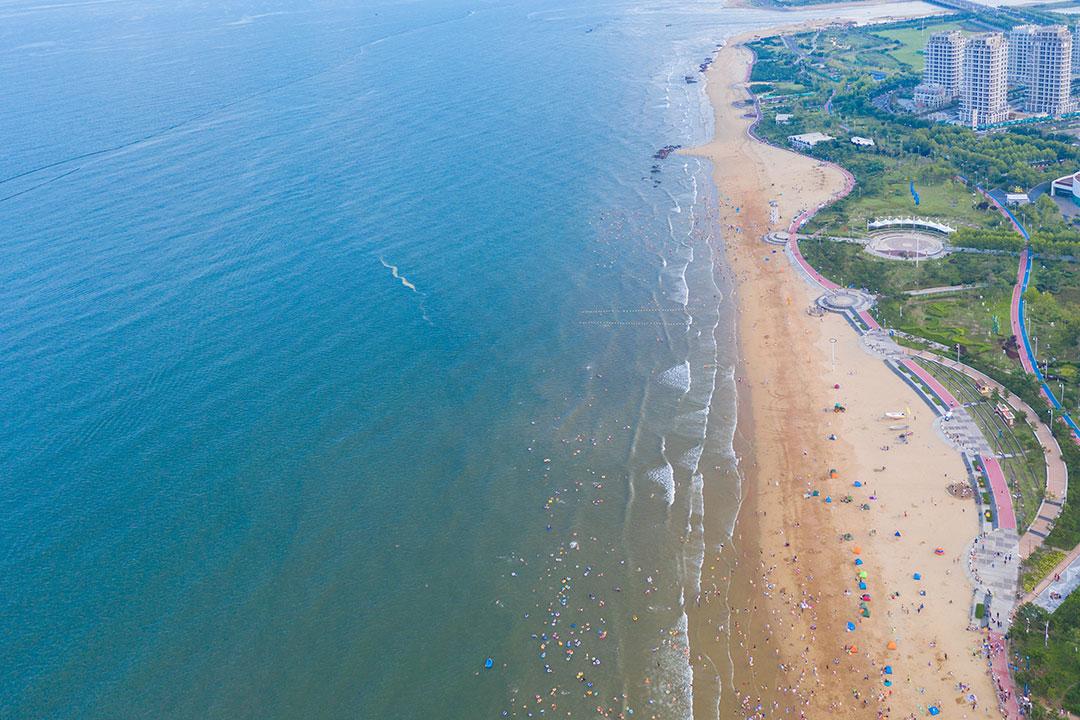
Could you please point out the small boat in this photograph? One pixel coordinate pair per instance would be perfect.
(898, 427)
(894, 415)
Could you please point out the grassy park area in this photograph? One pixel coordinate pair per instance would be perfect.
(912, 40)
(942, 198)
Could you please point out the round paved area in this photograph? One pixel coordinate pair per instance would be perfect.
(906, 245)
(845, 300)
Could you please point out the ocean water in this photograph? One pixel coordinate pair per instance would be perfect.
(346, 345)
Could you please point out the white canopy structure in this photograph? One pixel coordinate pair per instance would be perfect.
(911, 222)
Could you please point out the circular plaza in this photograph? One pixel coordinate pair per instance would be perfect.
(844, 300)
(905, 244)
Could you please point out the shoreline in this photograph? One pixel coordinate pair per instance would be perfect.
(791, 598)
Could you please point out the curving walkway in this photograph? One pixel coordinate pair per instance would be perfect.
(1027, 357)
(1057, 473)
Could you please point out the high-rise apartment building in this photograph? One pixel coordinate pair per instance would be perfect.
(1020, 38)
(983, 97)
(945, 62)
(1049, 71)
(1076, 48)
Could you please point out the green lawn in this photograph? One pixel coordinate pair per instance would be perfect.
(913, 40)
(847, 261)
(964, 318)
(949, 201)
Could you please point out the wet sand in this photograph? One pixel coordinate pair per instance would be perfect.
(795, 584)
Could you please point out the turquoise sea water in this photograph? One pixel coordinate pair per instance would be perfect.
(346, 345)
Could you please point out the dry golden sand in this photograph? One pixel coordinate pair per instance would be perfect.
(795, 580)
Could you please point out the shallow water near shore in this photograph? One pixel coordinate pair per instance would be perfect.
(348, 346)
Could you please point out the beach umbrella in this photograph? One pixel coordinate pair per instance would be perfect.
(857, 550)
(857, 484)
(888, 669)
(939, 551)
(888, 683)
(815, 493)
(850, 626)
(896, 534)
(863, 575)
(917, 576)
(933, 709)
(828, 498)
(891, 645)
(862, 586)
(858, 561)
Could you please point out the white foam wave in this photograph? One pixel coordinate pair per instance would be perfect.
(677, 377)
(664, 476)
(691, 457)
(681, 292)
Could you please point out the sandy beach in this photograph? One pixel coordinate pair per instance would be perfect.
(796, 585)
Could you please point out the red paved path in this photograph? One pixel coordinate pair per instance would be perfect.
(999, 672)
(1006, 517)
(931, 382)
